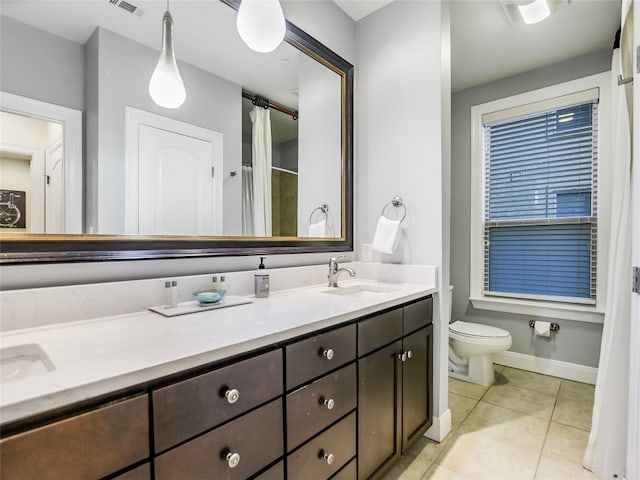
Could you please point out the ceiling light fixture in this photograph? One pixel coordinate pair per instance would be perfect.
(261, 24)
(535, 11)
(166, 86)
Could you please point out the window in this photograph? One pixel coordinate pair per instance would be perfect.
(537, 201)
(540, 216)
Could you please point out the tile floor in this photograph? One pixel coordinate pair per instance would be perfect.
(526, 426)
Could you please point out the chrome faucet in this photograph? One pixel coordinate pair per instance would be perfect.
(334, 271)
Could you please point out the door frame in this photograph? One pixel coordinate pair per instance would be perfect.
(71, 121)
(133, 119)
(633, 420)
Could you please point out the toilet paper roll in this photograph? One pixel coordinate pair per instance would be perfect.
(543, 329)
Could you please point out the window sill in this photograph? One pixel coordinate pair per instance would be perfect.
(579, 313)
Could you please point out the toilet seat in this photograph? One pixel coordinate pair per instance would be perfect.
(477, 330)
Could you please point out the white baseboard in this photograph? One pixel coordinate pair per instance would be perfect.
(555, 368)
(440, 427)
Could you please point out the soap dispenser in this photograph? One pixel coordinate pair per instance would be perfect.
(261, 281)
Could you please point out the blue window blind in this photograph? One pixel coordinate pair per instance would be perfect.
(540, 204)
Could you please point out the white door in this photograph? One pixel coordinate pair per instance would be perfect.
(174, 177)
(176, 184)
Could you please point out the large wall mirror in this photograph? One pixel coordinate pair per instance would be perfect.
(92, 169)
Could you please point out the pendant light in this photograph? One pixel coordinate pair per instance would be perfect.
(166, 86)
(261, 24)
(535, 11)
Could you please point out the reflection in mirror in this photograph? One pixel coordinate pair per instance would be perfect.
(123, 156)
(280, 144)
(31, 164)
(172, 178)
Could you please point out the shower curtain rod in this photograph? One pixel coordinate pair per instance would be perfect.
(258, 100)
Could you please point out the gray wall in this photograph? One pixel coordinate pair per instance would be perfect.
(577, 342)
(402, 104)
(123, 72)
(44, 67)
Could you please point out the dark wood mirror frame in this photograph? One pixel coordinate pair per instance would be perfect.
(30, 249)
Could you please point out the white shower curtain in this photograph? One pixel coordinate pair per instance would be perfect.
(261, 156)
(607, 446)
(247, 201)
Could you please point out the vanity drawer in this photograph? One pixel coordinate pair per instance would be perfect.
(418, 315)
(256, 437)
(89, 445)
(307, 412)
(309, 462)
(184, 409)
(143, 472)
(347, 473)
(379, 330)
(319, 354)
(274, 473)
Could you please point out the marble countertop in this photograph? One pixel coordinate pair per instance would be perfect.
(103, 355)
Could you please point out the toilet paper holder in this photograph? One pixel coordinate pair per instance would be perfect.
(554, 326)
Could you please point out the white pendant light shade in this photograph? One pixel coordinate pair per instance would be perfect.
(535, 11)
(166, 86)
(261, 24)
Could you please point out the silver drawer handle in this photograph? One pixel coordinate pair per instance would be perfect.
(232, 395)
(328, 354)
(329, 403)
(233, 459)
(329, 458)
(409, 354)
(402, 357)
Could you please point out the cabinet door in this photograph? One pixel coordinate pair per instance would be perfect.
(416, 385)
(379, 411)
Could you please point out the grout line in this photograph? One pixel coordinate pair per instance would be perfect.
(546, 435)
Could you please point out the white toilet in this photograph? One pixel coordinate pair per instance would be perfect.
(470, 348)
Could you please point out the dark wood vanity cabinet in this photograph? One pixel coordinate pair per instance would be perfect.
(340, 404)
(94, 444)
(394, 385)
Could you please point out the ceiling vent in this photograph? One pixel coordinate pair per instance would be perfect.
(129, 7)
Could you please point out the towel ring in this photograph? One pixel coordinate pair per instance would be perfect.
(324, 208)
(397, 203)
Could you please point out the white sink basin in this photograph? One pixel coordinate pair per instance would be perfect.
(360, 291)
(23, 361)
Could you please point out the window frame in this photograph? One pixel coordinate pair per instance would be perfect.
(528, 306)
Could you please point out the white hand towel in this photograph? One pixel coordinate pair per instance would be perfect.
(386, 237)
(318, 229)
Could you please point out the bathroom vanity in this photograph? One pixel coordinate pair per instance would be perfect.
(337, 389)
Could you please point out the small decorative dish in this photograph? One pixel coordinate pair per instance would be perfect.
(209, 297)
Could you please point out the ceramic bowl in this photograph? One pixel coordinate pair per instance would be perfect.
(209, 297)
